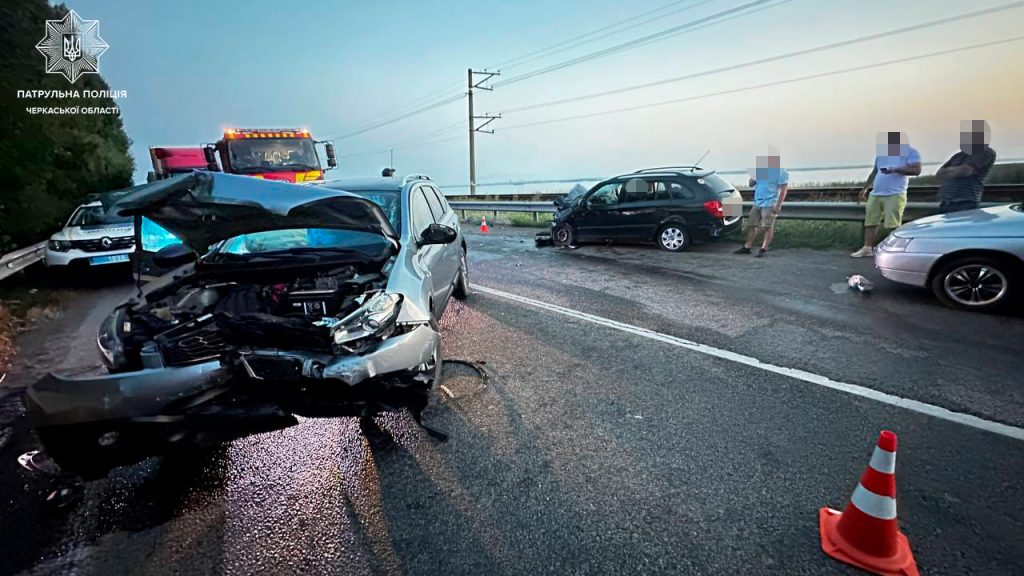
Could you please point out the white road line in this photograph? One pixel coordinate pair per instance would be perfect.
(906, 403)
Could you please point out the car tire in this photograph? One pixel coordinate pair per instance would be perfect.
(673, 237)
(461, 290)
(563, 235)
(977, 283)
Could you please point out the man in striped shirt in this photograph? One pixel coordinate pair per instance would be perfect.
(963, 175)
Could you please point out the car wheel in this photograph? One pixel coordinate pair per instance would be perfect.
(673, 237)
(461, 290)
(563, 235)
(976, 283)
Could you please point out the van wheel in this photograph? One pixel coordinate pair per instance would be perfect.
(563, 235)
(673, 237)
(976, 283)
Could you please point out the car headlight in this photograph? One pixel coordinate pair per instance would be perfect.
(895, 243)
(60, 245)
(373, 321)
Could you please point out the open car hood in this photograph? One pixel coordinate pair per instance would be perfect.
(202, 208)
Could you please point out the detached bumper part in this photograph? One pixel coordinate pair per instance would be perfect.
(89, 425)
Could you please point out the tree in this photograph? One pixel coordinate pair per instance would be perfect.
(49, 163)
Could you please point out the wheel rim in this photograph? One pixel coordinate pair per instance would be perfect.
(673, 238)
(562, 236)
(975, 285)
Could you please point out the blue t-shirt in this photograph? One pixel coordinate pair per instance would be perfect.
(766, 186)
(894, 184)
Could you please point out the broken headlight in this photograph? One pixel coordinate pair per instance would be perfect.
(373, 321)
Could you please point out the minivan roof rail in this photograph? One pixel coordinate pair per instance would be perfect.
(669, 169)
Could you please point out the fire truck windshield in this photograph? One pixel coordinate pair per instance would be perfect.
(272, 155)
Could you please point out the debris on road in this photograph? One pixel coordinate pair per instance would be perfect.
(860, 283)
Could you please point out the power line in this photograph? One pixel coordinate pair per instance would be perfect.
(803, 52)
(768, 84)
(402, 144)
(421, 110)
(632, 43)
(588, 37)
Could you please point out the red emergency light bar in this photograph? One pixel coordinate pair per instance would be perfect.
(238, 133)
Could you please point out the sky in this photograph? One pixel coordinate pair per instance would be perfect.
(193, 68)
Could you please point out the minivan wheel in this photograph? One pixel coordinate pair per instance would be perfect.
(673, 237)
(975, 283)
(563, 235)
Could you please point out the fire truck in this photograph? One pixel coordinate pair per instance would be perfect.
(274, 154)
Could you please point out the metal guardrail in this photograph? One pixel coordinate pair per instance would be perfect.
(18, 260)
(993, 192)
(834, 211)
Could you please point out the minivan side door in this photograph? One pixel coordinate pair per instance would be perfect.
(597, 217)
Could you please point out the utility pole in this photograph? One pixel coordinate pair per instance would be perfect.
(473, 128)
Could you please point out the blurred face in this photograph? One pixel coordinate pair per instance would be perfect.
(974, 136)
(766, 167)
(891, 144)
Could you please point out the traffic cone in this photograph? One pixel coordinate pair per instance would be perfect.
(483, 226)
(866, 534)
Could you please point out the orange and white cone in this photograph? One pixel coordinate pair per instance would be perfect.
(866, 534)
(483, 226)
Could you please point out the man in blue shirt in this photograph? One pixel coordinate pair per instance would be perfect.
(770, 182)
(895, 163)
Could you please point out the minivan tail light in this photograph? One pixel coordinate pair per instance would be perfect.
(714, 207)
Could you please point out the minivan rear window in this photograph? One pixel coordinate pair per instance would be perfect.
(718, 184)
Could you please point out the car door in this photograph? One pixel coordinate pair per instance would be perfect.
(597, 218)
(637, 212)
(451, 258)
(428, 257)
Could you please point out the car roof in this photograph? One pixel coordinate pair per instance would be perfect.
(356, 184)
(670, 171)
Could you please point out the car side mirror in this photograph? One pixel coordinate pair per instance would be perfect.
(438, 234)
(173, 256)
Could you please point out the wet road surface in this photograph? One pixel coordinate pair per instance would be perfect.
(576, 448)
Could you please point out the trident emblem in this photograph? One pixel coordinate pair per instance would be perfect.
(72, 47)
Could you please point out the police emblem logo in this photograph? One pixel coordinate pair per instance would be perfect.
(72, 46)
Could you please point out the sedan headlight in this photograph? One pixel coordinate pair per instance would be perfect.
(373, 321)
(894, 243)
(60, 245)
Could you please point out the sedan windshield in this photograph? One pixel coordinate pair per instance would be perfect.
(272, 155)
(388, 200)
(96, 216)
(301, 240)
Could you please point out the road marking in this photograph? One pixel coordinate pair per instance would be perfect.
(864, 392)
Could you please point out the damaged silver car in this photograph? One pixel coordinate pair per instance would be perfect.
(305, 301)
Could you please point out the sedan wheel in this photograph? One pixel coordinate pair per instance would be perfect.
(974, 283)
(673, 237)
(461, 290)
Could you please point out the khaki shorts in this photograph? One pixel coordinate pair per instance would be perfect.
(763, 218)
(885, 210)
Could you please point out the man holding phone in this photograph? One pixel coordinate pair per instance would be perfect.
(895, 163)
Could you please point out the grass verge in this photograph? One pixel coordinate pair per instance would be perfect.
(817, 235)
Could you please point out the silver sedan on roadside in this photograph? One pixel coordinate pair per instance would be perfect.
(971, 260)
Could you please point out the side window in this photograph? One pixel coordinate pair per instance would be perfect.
(638, 190)
(606, 194)
(435, 206)
(419, 212)
(681, 190)
(440, 200)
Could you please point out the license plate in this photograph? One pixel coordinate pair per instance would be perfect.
(98, 260)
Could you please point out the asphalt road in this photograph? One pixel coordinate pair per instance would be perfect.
(578, 447)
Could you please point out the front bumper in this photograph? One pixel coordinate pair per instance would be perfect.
(905, 267)
(91, 424)
(79, 257)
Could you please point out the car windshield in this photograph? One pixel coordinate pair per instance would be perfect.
(301, 240)
(388, 200)
(272, 155)
(96, 216)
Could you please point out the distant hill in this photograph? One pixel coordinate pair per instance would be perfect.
(1000, 174)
